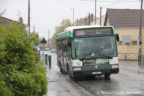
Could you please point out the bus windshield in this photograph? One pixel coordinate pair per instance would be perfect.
(94, 47)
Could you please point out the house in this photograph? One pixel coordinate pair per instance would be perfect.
(5, 21)
(85, 20)
(98, 21)
(126, 23)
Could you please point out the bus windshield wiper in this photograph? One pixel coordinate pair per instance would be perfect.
(106, 56)
(90, 56)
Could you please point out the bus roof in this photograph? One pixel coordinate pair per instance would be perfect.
(67, 31)
(81, 27)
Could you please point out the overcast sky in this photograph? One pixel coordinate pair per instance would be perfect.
(46, 14)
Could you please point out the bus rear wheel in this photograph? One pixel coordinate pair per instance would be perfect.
(61, 70)
(107, 76)
(60, 67)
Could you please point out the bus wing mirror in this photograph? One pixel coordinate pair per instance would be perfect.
(117, 37)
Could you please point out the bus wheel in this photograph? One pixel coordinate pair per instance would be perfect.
(68, 71)
(107, 76)
(60, 67)
(61, 70)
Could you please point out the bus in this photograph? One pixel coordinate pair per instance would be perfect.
(88, 51)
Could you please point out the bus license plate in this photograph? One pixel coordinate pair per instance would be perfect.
(96, 72)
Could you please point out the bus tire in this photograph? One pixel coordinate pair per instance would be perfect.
(61, 70)
(68, 71)
(107, 76)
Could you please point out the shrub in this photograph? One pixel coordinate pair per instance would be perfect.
(21, 74)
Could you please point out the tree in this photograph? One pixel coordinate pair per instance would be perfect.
(58, 29)
(21, 74)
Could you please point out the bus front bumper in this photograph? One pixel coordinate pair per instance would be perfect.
(96, 70)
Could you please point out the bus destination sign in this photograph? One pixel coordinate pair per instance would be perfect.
(93, 31)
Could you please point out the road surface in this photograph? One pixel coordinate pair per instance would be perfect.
(127, 83)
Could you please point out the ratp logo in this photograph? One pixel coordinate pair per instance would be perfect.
(78, 63)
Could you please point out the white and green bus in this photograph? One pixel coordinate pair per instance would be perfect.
(87, 51)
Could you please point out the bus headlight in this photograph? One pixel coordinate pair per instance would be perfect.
(114, 60)
(115, 66)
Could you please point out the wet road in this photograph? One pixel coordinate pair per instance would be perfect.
(123, 84)
(126, 83)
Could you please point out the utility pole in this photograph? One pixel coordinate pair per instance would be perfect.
(73, 14)
(28, 18)
(34, 29)
(48, 38)
(140, 33)
(100, 16)
(95, 12)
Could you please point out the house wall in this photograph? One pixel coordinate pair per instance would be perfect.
(128, 52)
(143, 41)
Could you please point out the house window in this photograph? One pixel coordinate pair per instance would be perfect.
(127, 43)
(120, 42)
(126, 39)
(134, 42)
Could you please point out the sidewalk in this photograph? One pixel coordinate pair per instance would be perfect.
(60, 84)
(57, 85)
(131, 66)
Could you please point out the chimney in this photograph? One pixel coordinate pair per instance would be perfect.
(20, 20)
(92, 18)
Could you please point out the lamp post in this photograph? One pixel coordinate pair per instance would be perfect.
(49, 38)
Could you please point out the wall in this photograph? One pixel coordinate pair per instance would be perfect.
(143, 41)
(128, 52)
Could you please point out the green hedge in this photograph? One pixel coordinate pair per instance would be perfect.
(21, 74)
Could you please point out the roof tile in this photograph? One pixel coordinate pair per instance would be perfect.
(124, 17)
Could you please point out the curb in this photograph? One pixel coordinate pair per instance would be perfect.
(80, 89)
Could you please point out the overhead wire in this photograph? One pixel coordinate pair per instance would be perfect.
(110, 0)
(85, 2)
(89, 2)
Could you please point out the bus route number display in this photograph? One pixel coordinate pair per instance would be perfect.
(93, 31)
